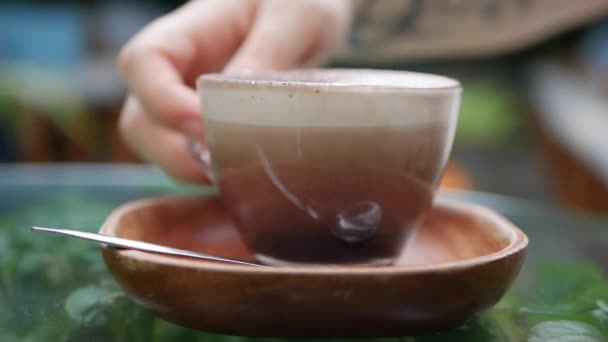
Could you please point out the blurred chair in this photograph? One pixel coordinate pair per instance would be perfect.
(571, 121)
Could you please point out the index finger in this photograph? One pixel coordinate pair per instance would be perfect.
(162, 91)
(160, 62)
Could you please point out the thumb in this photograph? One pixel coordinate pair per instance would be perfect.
(292, 34)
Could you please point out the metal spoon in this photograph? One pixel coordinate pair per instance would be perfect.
(139, 245)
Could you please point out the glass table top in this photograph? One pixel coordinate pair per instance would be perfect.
(57, 289)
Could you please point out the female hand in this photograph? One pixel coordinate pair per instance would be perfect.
(161, 64)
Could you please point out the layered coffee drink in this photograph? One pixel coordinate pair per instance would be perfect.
(336, 167)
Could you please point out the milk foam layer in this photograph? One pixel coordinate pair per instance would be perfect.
(330, 98)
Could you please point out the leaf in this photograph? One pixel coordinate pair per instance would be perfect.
(89, 305)
(602, 305)
(564, 331)
(32, 263)
(6, 250)
(601, 315)
(7, 261)
(566, 289)
(482, 330)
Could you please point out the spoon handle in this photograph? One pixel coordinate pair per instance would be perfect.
(138, 245)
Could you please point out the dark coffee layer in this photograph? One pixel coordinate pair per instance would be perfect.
(327, 194)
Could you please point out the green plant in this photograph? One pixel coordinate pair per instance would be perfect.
(57, 289)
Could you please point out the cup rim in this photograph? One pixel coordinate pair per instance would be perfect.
(328, 79)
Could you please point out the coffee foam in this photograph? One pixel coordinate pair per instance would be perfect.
(330, 98)
(341, 77)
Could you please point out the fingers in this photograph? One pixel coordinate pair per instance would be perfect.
(160, 64)
(159, 145)
(288, 34)
(163, 94)
(151, 65)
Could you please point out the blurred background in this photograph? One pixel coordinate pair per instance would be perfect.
(534, 120)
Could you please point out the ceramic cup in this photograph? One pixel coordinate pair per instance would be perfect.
(328, 166)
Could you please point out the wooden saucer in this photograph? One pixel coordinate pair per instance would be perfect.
(460, 263)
